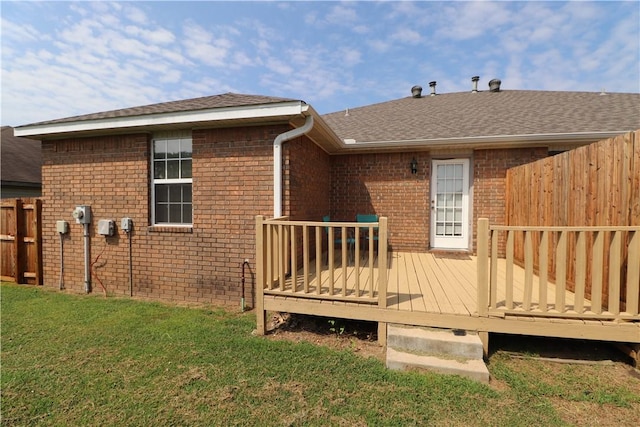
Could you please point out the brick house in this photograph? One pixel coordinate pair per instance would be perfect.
(193, 174)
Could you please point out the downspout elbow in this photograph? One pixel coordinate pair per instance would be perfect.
(277, 161)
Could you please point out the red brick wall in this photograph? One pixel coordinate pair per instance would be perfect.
(384, 185)
(233, 182)
(307, 188)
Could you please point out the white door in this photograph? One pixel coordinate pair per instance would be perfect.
(450, 204)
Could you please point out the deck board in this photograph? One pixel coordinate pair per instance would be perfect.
(420, 282)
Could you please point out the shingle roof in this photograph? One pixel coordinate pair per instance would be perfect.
(508, 112)
(21, 158)
(225, 100)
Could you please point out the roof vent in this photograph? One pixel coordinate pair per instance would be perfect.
(474, 82)
(416, 91)
(494, 85)
(432, 85)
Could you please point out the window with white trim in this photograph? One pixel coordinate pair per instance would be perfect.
(171, 179)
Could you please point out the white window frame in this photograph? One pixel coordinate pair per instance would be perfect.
(170, 136)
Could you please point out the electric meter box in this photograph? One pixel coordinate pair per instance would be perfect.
(62, 227)
(126, 224)
(82, 214)
(106, 227)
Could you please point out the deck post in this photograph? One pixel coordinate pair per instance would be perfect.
(484, 338)
(483, 262)
(261, 314)
(382, 276)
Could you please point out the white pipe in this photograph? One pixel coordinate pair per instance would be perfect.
(277, 162)
(87, 260)
(61, 284)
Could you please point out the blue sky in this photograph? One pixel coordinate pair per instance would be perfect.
(61, 59)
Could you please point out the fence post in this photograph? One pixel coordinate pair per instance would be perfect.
(19, 249)
(261, 314)
(37, 235)
(483, 261)
(382, 276)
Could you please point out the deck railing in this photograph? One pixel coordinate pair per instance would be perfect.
(599, 265)
(299, 259)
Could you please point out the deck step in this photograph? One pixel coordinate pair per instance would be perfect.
(439, 350)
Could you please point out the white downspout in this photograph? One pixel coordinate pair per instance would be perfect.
(277, 162)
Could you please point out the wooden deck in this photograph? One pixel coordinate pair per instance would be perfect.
(449, 290)
(437, 290)
(417, 282)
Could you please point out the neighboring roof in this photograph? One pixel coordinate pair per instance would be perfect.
(487, 114)
(21, 158)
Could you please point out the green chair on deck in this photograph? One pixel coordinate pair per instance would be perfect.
(365, 232)
(350, 240)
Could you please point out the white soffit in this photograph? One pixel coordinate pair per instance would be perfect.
(292, 108)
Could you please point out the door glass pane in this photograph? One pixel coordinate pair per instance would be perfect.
(448, 229)
(449, 215)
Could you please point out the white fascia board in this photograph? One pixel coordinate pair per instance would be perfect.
(350, 144)
(292, 108)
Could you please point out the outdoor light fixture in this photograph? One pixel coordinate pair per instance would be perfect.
(414, 166)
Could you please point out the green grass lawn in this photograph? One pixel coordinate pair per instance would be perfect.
(87, 360)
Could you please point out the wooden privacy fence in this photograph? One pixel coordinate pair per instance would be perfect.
(593, 186)
(599, 250)
(20, 238)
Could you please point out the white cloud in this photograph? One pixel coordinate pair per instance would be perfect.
(406, 35)
(203, 46)
(341, 15)
(135, 14)
(349, 56)
(19, 32)
(466, 20)
(279, 66)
